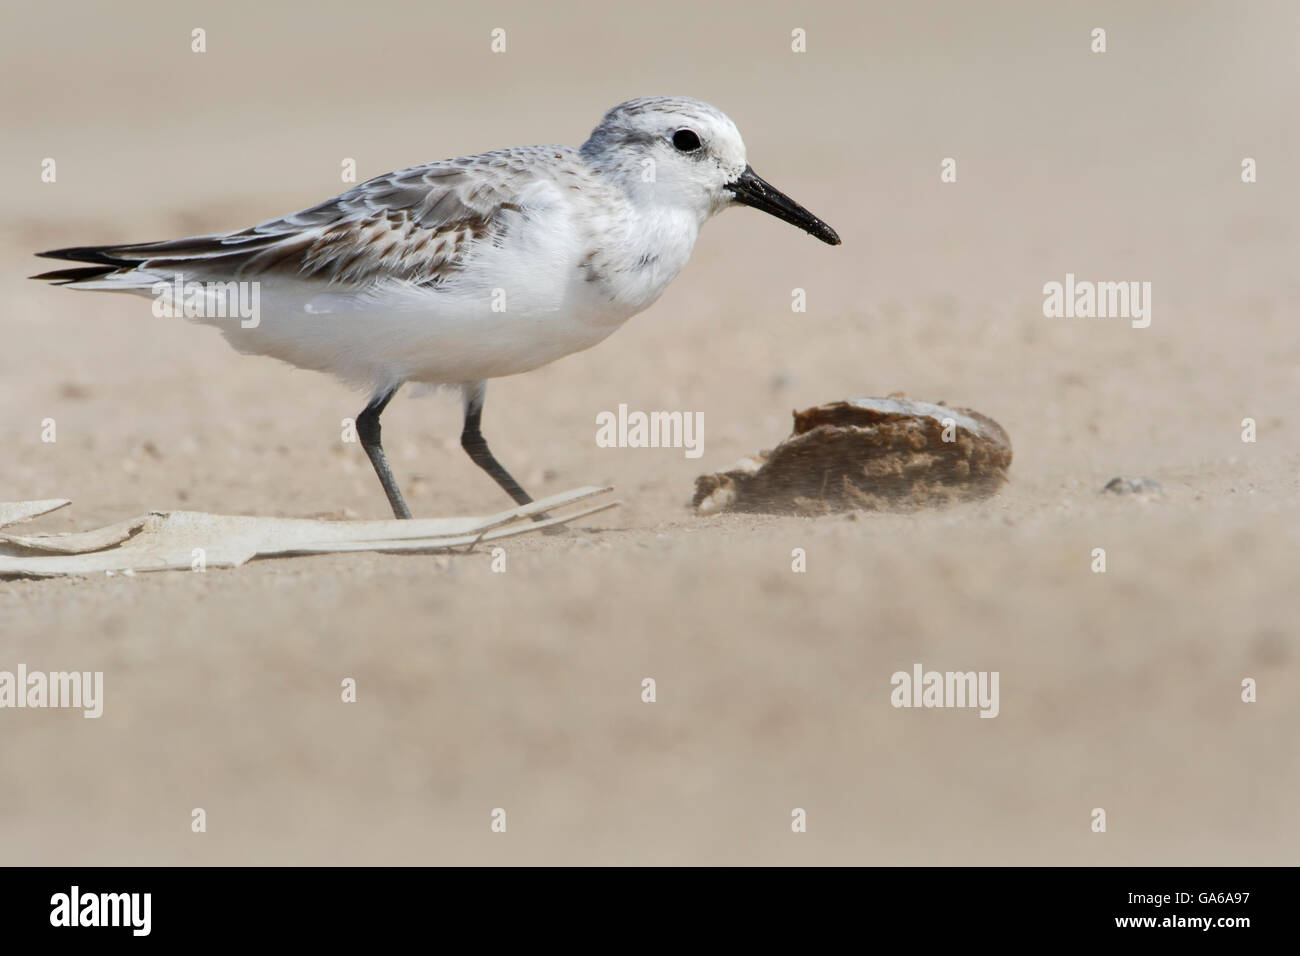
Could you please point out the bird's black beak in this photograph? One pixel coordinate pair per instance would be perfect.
(750, 190)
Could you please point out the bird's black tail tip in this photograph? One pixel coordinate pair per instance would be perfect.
(102, 258)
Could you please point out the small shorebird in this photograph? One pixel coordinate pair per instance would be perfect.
(467, 269)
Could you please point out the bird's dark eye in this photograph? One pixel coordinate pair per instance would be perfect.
(686, 140)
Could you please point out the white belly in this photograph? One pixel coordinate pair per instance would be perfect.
(540, 295)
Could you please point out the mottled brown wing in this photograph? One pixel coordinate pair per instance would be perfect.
(414, 225)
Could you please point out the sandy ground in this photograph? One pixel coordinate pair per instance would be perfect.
(522, 690)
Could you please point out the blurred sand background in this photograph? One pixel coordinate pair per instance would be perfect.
(522, 690)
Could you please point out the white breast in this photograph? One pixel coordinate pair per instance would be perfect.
(565, 275)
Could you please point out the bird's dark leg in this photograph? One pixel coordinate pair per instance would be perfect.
(472, 440)
(368, 431)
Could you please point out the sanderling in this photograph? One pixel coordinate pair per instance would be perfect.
(459, 271)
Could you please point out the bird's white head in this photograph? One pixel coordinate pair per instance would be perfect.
(684, 153)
